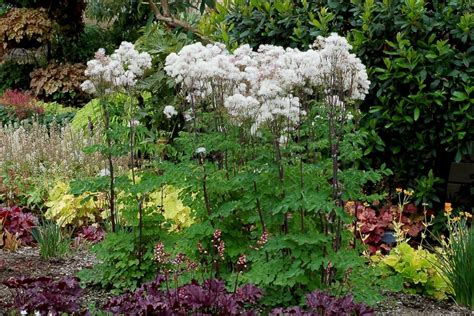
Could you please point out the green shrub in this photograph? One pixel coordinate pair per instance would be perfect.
(419, 56)
(120, 268)
(14, 76)
(56, 113)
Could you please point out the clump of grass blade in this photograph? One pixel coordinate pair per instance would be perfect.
(53, 243)
(456, 263)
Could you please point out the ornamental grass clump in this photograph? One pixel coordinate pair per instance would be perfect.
(52, 241)
(456, 257)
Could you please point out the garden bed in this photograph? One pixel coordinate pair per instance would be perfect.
(249, 165)
(27, 262)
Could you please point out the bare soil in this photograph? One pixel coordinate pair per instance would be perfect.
(27, 262)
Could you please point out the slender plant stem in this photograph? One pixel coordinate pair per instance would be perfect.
(259, 208)
(281, 175)
(356, 213)
(206, 194)
(106, 114)
(236, 282)
(260, 213)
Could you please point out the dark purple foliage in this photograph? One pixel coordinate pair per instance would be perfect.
(210, 298)
(321, 303)
(91, 234)
(295, 310)
(15, 221)
(45, 295)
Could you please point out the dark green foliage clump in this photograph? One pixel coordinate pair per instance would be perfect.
(419, 113)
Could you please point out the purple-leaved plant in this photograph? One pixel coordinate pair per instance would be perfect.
(209, 298)
(321, 303)
(91, 233)
(15, 221)
(44, 295)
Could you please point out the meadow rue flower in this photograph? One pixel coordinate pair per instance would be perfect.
(187, 116)
(119, 70)
(133, 122)
(218, 243)
(104, 173)
(242, 262)
(283, 140)
(201, 151)
(170, 111)
(257, 86)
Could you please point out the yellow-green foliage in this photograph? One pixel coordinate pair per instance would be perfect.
(418, 268)
(90, 111)
(67, 209)
(173, 208)
(55, 108)
(118, 102)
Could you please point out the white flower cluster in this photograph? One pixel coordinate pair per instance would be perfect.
(266, 85)
(345, 68)
(170, 111)
(119, 70)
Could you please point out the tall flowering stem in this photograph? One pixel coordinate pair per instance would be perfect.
(108, 140)
(107, 75)
(275, 92)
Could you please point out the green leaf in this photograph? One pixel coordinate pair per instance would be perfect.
(459, 96)
(416, 114)
(458, 156)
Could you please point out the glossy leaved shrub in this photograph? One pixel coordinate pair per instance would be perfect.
(419, 112)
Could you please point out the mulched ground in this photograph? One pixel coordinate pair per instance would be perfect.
(407, 304)
(27, 262)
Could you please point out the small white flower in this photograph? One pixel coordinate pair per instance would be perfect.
(170, 111)
(42, 168)
(283, 140)
(201, 151)
(24, 313)
(187, 116)
(133, 123)
(104, 173)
